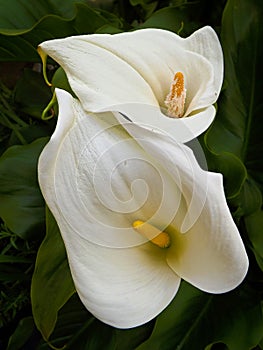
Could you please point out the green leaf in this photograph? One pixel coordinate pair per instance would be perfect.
(249, 199)
(19, 41)
(129, 339)
(172, 18)
(195, 319)
(148, 5)
(254, 224)
(60, 80)
(13, 259)
(12, 274)
(52, 283)
(22, 334)
(19, 16)
(76, 328)
(238, 128)
(235, 173)
(32, 93)
(21, 202)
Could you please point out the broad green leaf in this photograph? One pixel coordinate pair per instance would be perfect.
(31, 133)
(20, 43)
(22, 334)
(148, 5)
(129, 339)
(254, 225)
(261, 344)
(32, 93)
(195, 319)
(235, 173)
(249, 199)
(18, 16)
(52, 283)
(238, 128)
(217, 346)
(21, 202)
(76, 328)
(60, 80)
(172, 18)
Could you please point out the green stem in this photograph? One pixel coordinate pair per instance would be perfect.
(5, 90)
(14, 128)
(10, 112)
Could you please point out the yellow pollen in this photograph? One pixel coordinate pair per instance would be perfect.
(157, 237)
(175, 100)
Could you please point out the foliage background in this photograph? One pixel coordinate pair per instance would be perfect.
(39, 308)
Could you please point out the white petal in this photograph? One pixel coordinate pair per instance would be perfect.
(111, 182)
(157, 55)
(99, 78)
(205, 42)
(211, 255)
(122, 287)
(110, 72)
(180, 129)
(208, 252)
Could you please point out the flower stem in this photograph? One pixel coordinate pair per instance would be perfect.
(14, 128)
(9, 112)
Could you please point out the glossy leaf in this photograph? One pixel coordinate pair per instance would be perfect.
(25, 14)
(21, 202)
(32, 93)
(234, 170)
(240, 106)
(249, 199)
(22, 334)
(174, 19)
(52, 284)
(18, 42)
(254, 224)
(237, 128)
(195, 319)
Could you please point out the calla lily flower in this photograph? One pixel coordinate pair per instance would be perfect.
(137, 214)
(153, 77)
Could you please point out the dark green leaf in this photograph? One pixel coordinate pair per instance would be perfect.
(129, 339)
(235, 173)
(254, 225)
(32, 93)
(13, 259)
(21, 202)
(195, 319)
(249, 199)
(22, 334)
(147, 5)
(31, 132)
(52, 283)
(172, 18)
(78, 329)
(19, 42)
(60, 81)
(9, 273)
(18, 16)
(238, 128)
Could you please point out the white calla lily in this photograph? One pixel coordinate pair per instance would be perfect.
(132, 73)
(100, 181)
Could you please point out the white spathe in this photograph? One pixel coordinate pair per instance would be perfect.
(132, 72)
(97, 179)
